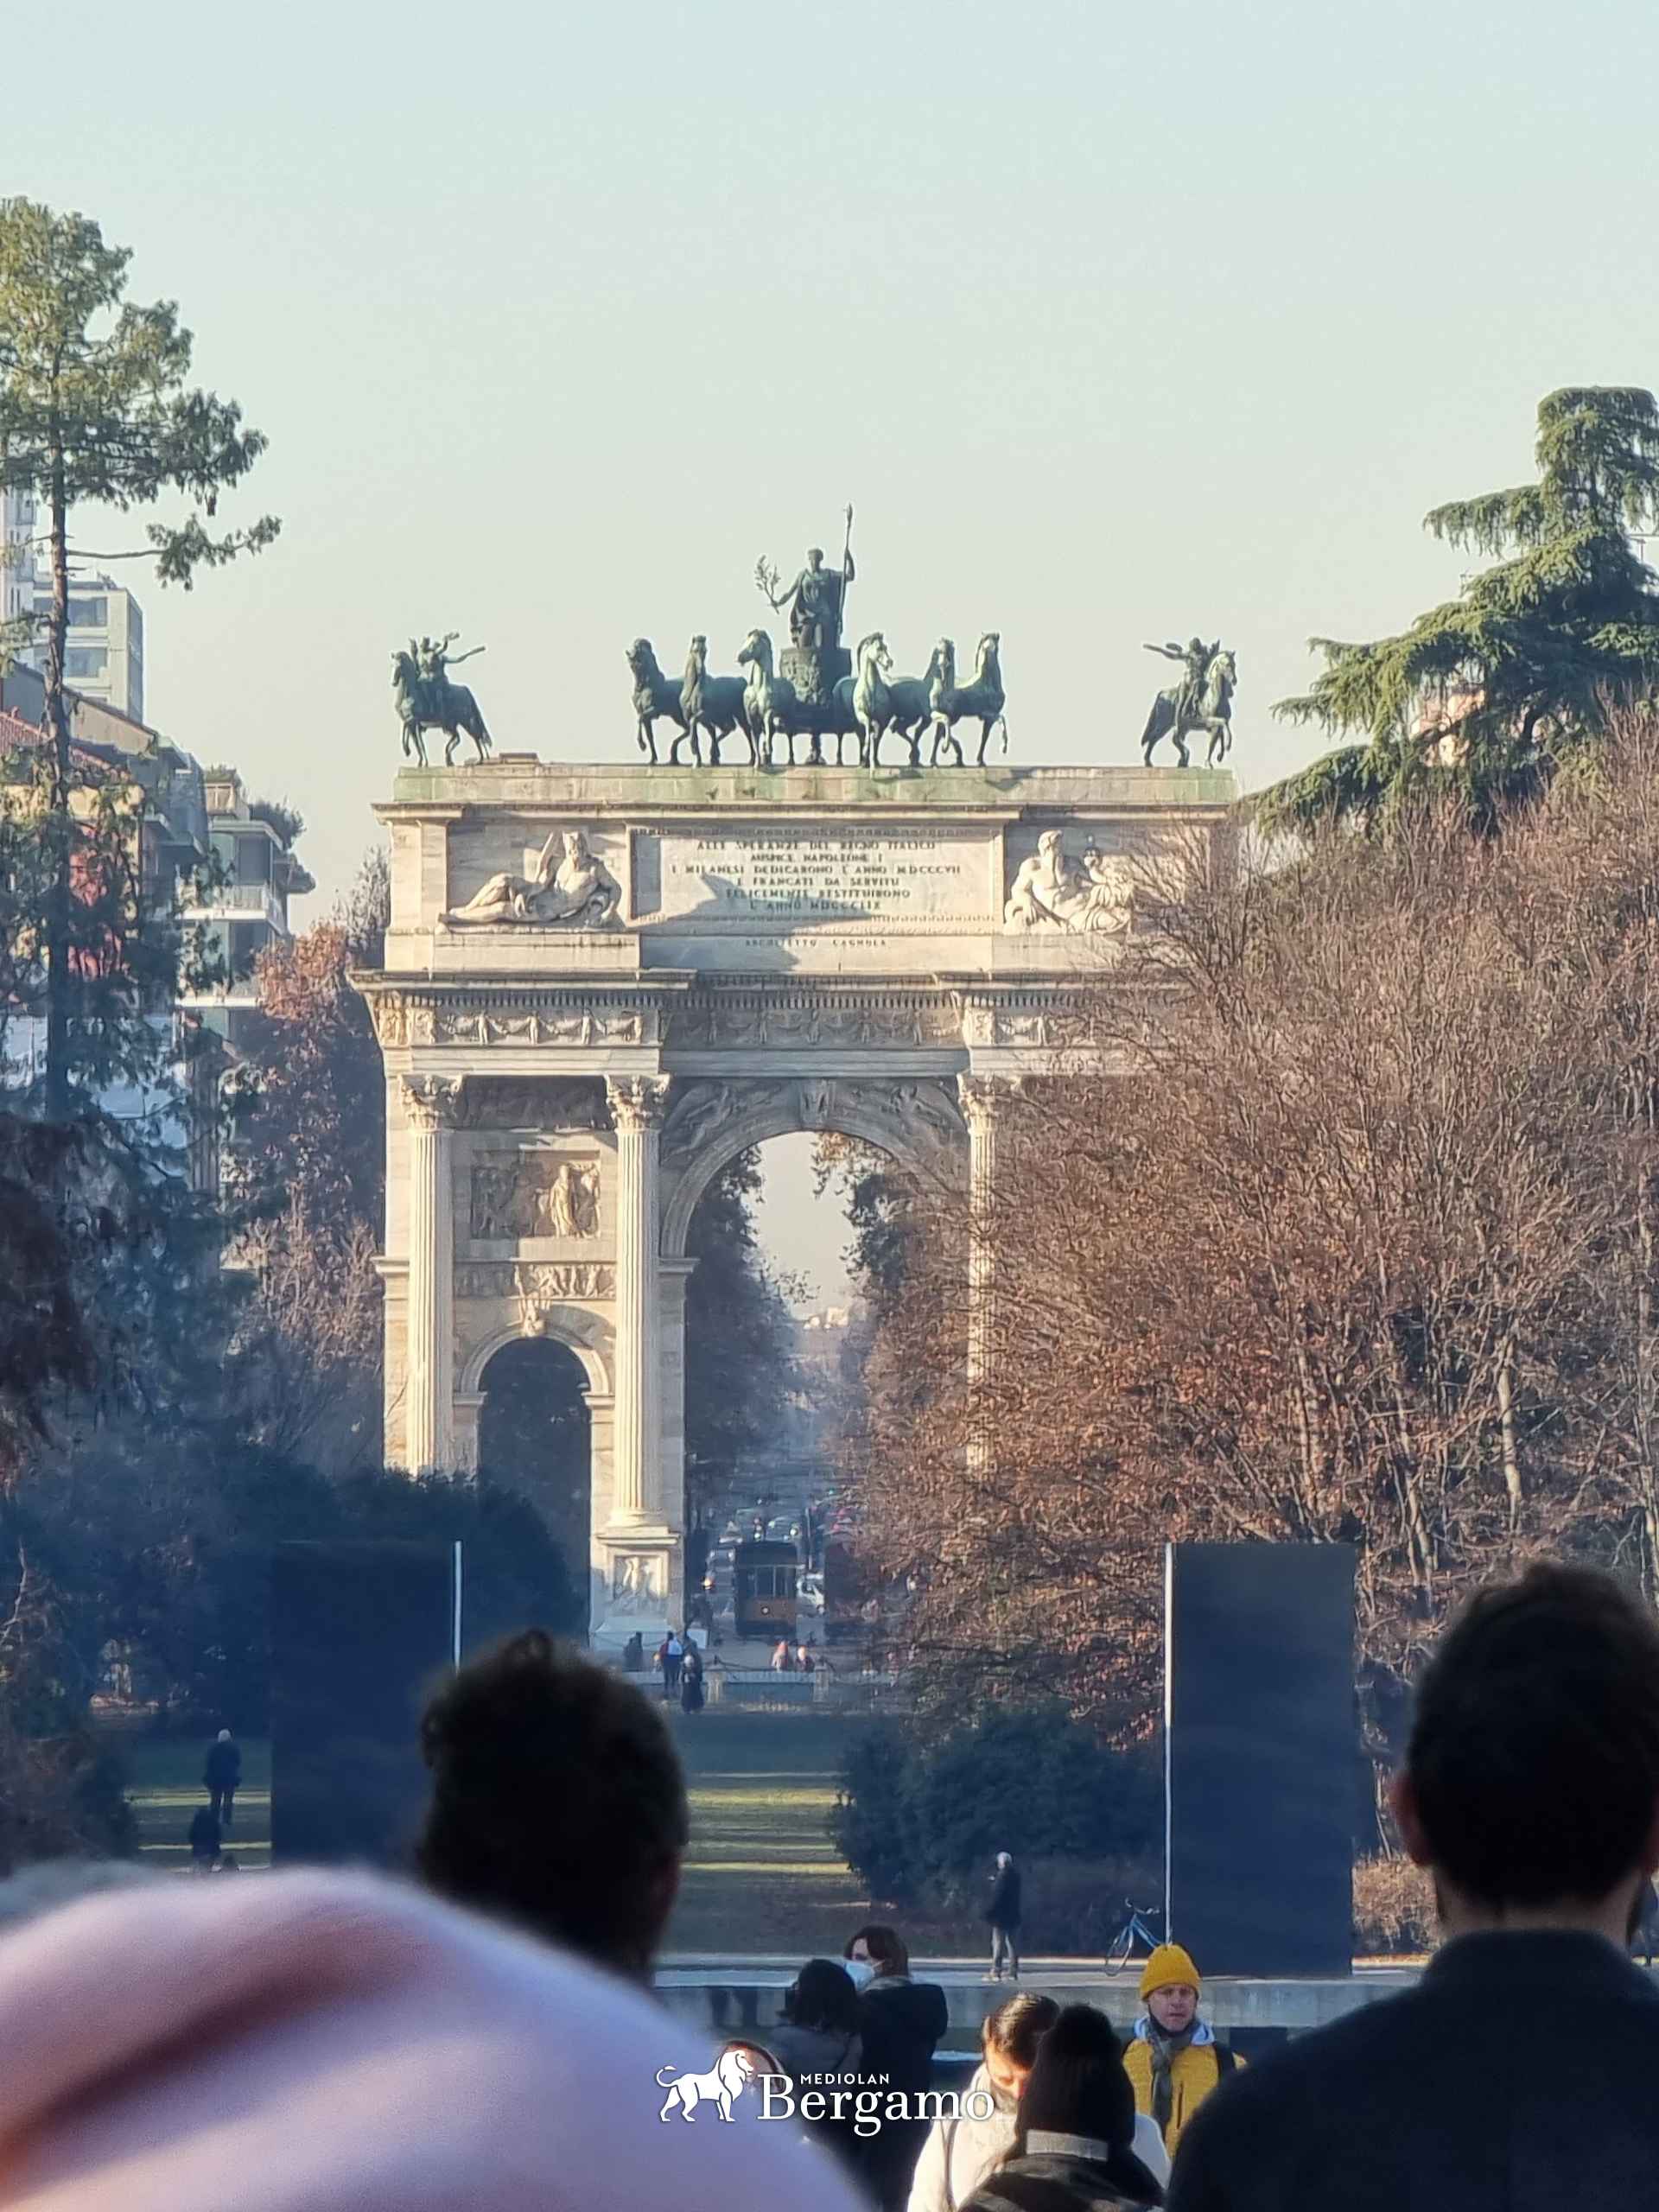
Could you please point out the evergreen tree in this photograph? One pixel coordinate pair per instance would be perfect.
(94, 408)
(132, 1240)
(1492, 692)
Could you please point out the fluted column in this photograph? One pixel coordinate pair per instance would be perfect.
(637, 1104)
(431, 1106)
(982, 1098)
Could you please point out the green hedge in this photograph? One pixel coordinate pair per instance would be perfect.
(920, 1816)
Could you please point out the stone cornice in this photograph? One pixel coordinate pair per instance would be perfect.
(778, 1015)
(634, 794)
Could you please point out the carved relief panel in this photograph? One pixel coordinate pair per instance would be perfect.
(535, 1194)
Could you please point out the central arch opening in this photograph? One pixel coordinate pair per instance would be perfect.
(777, 1328)
(535, 1438)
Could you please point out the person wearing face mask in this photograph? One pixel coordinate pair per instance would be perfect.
(900, 2022)
(1173, 2059)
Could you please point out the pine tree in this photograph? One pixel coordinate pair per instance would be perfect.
(94, 407)
(1491, 693)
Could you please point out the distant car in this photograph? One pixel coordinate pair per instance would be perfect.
(810, 1588)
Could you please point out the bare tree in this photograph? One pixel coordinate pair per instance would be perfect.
(1356, 1243)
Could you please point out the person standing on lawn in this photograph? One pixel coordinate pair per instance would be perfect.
(222, 1776)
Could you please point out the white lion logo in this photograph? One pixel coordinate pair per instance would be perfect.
(732, 2071)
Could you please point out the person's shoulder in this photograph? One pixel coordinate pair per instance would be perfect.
(1349, 2050)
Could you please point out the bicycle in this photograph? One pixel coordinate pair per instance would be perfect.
(1120, 1952)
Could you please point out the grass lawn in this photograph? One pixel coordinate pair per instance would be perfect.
(761, 1874)
(164, 1789)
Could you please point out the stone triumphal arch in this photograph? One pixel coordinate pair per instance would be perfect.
(601, 984)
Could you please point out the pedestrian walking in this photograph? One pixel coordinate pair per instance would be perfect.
(1173, 2059)
(222, 1776)
(1003, 1913)
(1519, 2069)
(804, 1662)
(691, 1682)
(1073, 2148)
(783, 1659)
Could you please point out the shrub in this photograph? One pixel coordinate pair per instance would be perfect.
(870, 1824)
(919, 1818)
(1393, 1907)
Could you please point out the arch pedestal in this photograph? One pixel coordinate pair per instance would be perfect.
(869, 953)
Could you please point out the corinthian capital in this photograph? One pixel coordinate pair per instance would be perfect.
(983, 1098)
(637, 1102)
(432, 1102)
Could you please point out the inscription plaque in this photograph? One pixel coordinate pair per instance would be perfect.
(797, 879)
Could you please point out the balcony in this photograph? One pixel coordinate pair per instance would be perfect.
(244, 994)
(239, 902)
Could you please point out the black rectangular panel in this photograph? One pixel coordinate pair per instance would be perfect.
(1258, 1691)
(359, 1634)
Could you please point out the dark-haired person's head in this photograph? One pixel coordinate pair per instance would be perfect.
(1078, 2087)
(557, 1802)
(822, 1997)
(1009, 2037)
(880, 1947)
(1531, 1783)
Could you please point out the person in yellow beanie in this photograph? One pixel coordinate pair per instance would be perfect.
(1172, 2058)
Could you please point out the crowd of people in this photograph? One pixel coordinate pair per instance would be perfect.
(315, 2041)
(679, 1659)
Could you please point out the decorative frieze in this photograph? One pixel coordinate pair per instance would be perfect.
(807, 1018)
(582, 1026)
(547, 1281)
(535, 1103)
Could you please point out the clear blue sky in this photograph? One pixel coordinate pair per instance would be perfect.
(1115, 323)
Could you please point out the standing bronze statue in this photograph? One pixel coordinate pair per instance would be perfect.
(815, 660)
(1201, 700)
